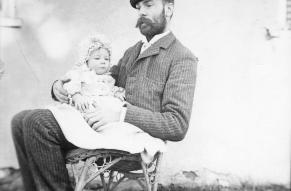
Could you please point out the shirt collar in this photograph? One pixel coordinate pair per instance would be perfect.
(155, 38)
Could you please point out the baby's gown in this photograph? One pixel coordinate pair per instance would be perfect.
(117, 135)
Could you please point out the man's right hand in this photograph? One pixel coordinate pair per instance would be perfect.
(60, 93)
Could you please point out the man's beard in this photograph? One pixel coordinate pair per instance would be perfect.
(151, 28)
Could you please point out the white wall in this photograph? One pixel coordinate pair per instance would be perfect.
(240, 120)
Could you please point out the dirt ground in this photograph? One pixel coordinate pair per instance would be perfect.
(10, 180)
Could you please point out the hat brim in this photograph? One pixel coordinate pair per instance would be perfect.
(134, 2)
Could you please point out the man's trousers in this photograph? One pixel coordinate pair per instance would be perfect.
(40, 146)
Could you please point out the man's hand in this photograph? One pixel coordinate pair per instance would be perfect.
(60, 93)
(82, 103)
(100, 117)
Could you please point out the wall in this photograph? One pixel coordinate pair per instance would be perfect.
(240, 120)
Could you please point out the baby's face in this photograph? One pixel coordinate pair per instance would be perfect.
(99, 61)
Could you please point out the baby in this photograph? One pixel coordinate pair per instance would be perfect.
(92, 87)
(90, 82)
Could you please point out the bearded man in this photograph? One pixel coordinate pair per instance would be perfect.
(159, 76)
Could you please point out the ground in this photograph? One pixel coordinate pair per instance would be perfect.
(10, 180)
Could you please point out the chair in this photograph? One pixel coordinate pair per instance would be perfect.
(118, 165)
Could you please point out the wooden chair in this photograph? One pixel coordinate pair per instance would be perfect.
(118, 165)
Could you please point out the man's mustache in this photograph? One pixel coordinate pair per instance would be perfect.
(142, 20)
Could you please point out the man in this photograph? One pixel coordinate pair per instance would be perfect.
(159, 78)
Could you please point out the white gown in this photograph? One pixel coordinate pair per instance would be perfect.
(118, 135)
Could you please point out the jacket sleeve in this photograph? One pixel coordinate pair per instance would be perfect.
(114, 70)
(173, 120)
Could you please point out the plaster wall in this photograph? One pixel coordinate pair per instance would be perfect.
(241, 116)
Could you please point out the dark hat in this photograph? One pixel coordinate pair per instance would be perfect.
(134, 2)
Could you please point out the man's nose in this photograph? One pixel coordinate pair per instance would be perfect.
(142, 12)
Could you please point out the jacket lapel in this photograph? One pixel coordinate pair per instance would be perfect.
(154, 49)
(134, 55)
(137, 49)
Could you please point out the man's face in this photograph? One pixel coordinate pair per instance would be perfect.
(152, 18)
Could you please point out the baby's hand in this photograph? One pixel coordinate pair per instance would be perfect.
(82, 103)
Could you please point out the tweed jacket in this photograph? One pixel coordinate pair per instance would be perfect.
(159, 85)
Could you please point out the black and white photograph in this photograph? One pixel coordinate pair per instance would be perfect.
(145, 95)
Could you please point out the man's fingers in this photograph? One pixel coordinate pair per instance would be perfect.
(83, 107)
(87, 105)
(93, 120)
(61, 90)
(60, 93)
(97, 125)
(95, 105)
(78, 106)
(62, 98)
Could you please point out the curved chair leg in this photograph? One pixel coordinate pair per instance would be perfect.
(146, 176)
(157, 172)
(152, 178)
(81, 183)
(105, 188)
(74, 172)
(110, 179)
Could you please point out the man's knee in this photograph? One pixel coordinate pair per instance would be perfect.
(35, 118)
(40, 122)
(17, 122)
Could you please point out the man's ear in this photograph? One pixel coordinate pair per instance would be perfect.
(169, 10)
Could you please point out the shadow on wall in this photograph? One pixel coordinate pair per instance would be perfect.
(2, 70)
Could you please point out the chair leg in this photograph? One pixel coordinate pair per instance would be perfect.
(152, 178)
(105, 188)
(157, 172)
(146, 176)
(110, 179)
(82, 180)
(75, 174)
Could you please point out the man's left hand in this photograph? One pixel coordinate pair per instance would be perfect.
(99, 117)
